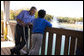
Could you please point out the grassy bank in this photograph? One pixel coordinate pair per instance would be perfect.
(72, 26)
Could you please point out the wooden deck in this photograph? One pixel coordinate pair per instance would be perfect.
(5, 51)
(6, 46)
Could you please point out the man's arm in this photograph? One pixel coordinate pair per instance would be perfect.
(19, 17)
(21, 22)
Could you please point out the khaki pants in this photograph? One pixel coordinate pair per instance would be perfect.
(36, 44)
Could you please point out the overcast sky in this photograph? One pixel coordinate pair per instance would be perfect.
(56, 8)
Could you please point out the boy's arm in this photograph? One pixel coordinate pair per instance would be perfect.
(48, 24)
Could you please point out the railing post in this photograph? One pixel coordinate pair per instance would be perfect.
(58, 44)
(66, 45)
(50, 41)
(43, 44)
(72, 45)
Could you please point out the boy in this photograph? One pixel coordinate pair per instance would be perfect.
(38, 28)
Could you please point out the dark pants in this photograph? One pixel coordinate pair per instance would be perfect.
(19, 35)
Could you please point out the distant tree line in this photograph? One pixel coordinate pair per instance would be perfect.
(48, 17)
(70, 19)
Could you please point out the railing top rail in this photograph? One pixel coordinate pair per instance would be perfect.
(64, 31)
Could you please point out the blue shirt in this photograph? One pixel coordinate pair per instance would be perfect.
(39, 25)
(25, 17)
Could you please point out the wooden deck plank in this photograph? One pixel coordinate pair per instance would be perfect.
(8, 50)
(5, 51)
(2, 53)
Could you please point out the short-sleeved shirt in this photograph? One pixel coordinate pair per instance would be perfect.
(25, 17)
(39, 25)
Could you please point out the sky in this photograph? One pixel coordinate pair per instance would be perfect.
(55, 8)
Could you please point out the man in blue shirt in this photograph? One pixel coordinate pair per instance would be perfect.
(39, 25)
(23, 20)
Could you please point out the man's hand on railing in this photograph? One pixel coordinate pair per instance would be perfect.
(30, 25)
(23, 24)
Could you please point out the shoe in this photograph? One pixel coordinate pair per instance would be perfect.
(12, 52)
(17, 52)
(25, 54)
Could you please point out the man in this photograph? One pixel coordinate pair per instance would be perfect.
(38, 28)
(23, 20)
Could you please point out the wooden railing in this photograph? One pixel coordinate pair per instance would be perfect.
(75, 43)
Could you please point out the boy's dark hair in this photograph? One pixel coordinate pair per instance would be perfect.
(32, 8)
(41, 13)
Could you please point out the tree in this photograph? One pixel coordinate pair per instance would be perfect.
(81, 19)
(36, 14)
(12, 15)
(69, 19)
(48, 17)
(16, 12)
